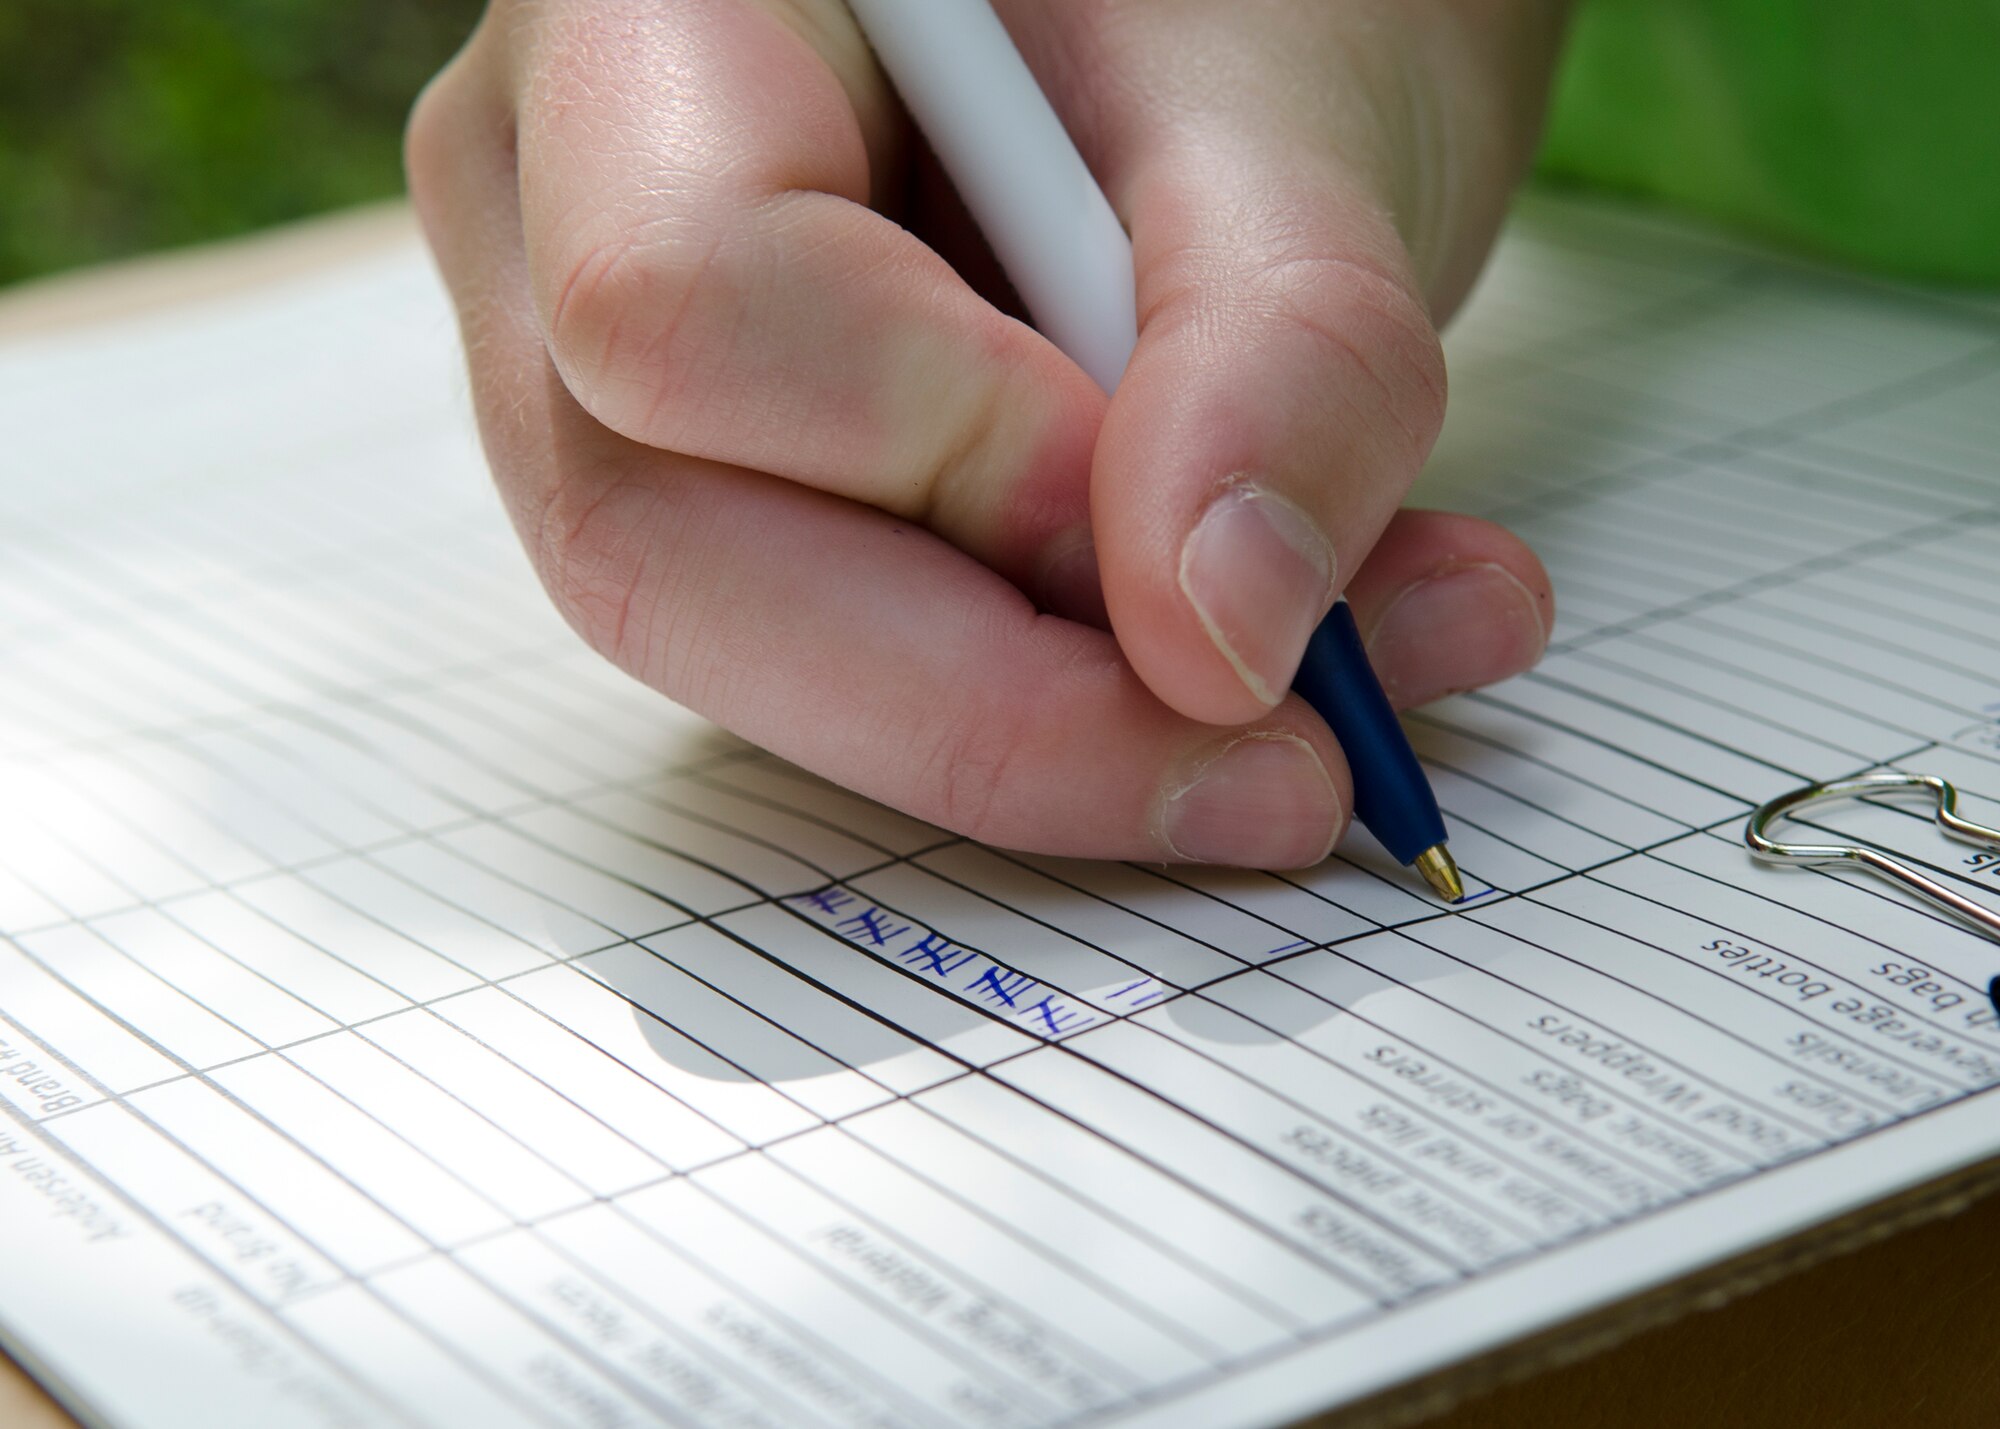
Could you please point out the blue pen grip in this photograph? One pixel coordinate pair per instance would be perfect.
(1392, 798)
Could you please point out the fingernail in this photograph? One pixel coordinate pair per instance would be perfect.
(1070, 584)
(1456, 631)
(1265, 801)
(1260, 575)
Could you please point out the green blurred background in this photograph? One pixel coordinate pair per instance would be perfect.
(1851, 129)
(127, 125)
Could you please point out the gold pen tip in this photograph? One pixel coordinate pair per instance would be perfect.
(1436, 865)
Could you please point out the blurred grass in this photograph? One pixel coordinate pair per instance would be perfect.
(128, 125)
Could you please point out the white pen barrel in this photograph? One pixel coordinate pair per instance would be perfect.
(1017, 169)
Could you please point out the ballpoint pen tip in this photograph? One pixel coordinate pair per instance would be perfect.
(1441, 873)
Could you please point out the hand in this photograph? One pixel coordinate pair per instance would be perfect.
(777, 457)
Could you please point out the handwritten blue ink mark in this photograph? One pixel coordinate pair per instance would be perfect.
(936, 956)
(827, 900)
(870, 923)
(1133, 996)
(1057, 1017)
(1000, 987)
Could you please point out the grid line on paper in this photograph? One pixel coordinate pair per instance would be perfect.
(1864, 670)
(1812, 566)
(1758, 436)
(279, 1218)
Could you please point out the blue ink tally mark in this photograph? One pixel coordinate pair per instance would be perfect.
(965, 973)
(1139, 994)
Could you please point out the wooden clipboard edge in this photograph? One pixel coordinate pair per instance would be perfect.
(60, 1404)
(1711, 1288)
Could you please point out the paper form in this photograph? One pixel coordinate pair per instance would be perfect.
(406, 1019)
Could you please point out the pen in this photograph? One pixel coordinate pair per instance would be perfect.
(1062, 247)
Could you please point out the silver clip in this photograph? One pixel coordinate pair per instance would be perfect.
(1810, 855)
(1787, 806)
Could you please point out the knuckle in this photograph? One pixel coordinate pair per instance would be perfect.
(627, 324)
(597, 286)
(432, 137)
(1300, 271)
(1004, 460)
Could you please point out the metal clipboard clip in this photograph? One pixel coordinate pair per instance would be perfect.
(1945, 801)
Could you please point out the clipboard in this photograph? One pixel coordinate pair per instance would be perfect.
(1921, 1227)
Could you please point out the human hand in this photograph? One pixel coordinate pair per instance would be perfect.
(775, 456)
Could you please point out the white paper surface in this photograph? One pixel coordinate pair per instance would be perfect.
(404, 1018)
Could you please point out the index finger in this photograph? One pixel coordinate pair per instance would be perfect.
(695, 178)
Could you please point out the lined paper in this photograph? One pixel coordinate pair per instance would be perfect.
(404, 1018)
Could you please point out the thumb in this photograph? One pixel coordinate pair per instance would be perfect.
(1286, 389)
(1288, 382)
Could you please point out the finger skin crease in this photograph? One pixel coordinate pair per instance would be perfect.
(961, 468)
(1396, 399)
(658, 350)
(1324, 296)
(1006, 728)
(595, 574)
(966, 767)
(971, 754)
